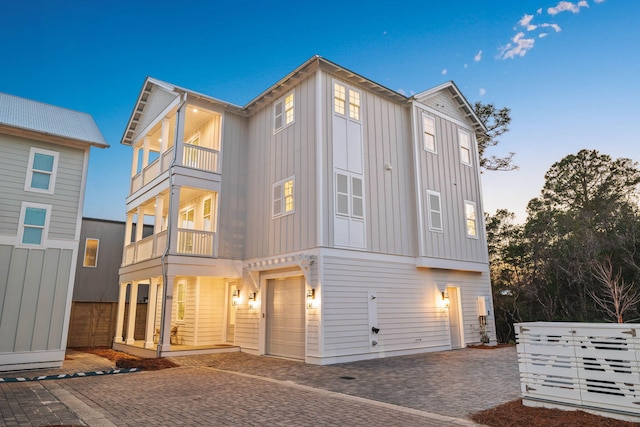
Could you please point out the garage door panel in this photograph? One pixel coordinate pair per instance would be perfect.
(285, 318)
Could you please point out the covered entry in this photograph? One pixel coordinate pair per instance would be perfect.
(286, 317)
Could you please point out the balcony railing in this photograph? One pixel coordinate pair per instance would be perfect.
(200, 158)
(150, 247)
(196, 242)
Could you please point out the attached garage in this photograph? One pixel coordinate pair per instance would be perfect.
(286, 317)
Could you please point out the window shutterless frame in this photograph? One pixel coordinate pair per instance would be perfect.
(33, 227)
(42, 171)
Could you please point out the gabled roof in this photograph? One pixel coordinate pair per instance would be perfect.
(36, 117)
(463, 104)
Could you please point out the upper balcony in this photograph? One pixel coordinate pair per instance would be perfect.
(198, 145)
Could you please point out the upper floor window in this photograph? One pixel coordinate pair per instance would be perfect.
(284, 112)
(471, 219)
(91, 252)
(434, 207)
(283, 199)
(349, 195)
(34, 223)
(41, 175)
(429, 133)
(341, 94)
(465, 147)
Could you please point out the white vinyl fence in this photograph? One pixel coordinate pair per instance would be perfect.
(589, 366)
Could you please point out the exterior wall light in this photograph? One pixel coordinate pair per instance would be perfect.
(252, 301)
(235, 298)
(311, 298)
(445, 299)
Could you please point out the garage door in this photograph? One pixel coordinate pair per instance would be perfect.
(285, 317)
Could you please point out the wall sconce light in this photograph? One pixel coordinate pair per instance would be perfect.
(252, 300)
(311, 298)
(445, 299)
(235, 298)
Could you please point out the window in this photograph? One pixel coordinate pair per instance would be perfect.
(349, 195)
(429, 133)
(465, 150)
(283, 198)
(470, 216)
(41, 175)
(191, 153)
(206, 214)
(340, 93)
(283, 112)
(91, 253)
(182, 300)
(34, 223)
(434, 208)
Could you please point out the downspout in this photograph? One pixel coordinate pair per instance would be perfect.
(163, 260)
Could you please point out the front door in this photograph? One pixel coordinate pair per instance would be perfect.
(455, 319)
(286, 317)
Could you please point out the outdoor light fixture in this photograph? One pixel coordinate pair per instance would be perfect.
(445, 299)
(311, 298)
(235, 299)
(252, 300)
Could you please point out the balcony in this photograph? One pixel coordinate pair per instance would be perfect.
(190, 242)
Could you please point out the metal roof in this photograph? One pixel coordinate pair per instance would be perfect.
(34, 116)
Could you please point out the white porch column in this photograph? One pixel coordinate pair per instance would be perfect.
(145, 152)
(120, 316)
(134, 162)
(167, 311)
(165, 136)
(127, 236)
(139, 224)
(174, 217)
(157, 224)
(151, 315)
(131, 321)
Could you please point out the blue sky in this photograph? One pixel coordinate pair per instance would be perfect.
(569, 71)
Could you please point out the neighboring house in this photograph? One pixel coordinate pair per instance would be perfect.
(328, 220)
(99, 259)
(43, 170)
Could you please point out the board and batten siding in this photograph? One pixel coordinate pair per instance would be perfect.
(407, 311)
(272, 157)
(232, 199)
(390, 214)
(443, 172)
(66, 197)
(34, 286)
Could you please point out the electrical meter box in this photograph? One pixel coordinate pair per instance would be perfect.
(482, 306)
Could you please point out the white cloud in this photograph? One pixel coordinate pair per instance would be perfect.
(542, 35)
(599, 1)
(554, 26)
(567, 6)
(444, 71)
(482, 91)
(519, 46)
(539, 11)
(525, 21)
(478, 56)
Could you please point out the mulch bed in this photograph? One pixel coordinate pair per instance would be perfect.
(128, 361)
(514, 413)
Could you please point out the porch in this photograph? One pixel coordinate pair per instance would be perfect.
(137, 348)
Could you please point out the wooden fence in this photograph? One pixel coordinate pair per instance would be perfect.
(93, 324)
(589, 366)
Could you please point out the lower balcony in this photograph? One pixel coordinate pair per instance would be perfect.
(190, 242)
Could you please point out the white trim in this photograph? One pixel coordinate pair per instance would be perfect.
(461, 147)
(451, 264)
(433, 150)
(45, 228)
(84, 256)
(347, 101)
(418, 181)
(283, 197)
(475, 219)
(52, 175)
(430, 210)
(283, 114)
(319, 163)
(443, 115)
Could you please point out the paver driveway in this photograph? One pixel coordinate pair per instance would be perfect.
(434, 389)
